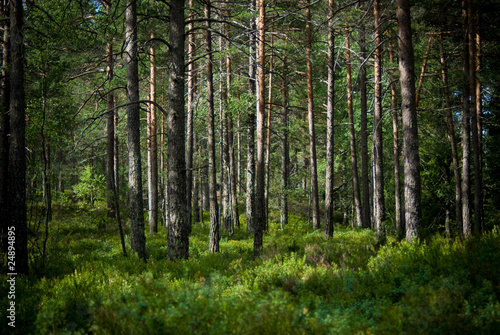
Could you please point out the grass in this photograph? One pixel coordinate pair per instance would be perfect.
(302, 284)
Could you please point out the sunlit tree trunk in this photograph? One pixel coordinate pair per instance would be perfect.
(412, 196)
(152, 149)
(260, 211)
(330, 126)
(136, 216)
(422, 72)
(250, 191)
(178, 223)
(479, 112)
(310, 118)
(191, 81)
(110, 135)
(268, 135)
(378, 153)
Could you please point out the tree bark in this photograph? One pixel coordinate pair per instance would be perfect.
(479, 113)
(268, 134)
(330, 124)
(285, 158)
(110, 129)
(260, 211)
(466, 210)
(152, 149)
(365, 178)
(413, 209)
(17, 151)
(212, 181)
(310, 118)
(352, 137)
(190, 117)
(178, 225)
(400, 217)
(136, 216)
(4, 126)
(451, 137)
(250, 191)
(378, 153)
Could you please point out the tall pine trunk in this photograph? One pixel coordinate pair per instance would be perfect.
(178, 222)
(451, 136)
(330, 125)
(285, 152)
(17, 151)
(152, 148)
(260, 211)
(352, 137)
(190, 197)
(4, 126)
(310, 118)
(212, 181)
(136, 216)
(378, 153)
(413, 209)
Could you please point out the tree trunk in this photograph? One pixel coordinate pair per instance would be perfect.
(451, 137)
(136, 216)
(330, 124)
(352, 133)
(4, 126)
(191, 81)
(260, 211)
(422, 72)
(212, 181)
(268, 134)
(365, 178)
(466, 210)
(152, 149)
(479, 113)
(285, 158)
(250, 192)
(110, 129)
(478, 184)
(400, 218)
(178, 223)
(17, 151)
(413, 210)
(310, 117)
(378, 153)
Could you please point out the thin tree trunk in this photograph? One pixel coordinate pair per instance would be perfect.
(466, 210)
(285, 158)
(352, 133)
(330, 125)
(250, 191)
(378, 153)
(212, 181)
(451, 137)
(365, 178)
(260, 211)
(479, 113)
(190, 118)
(178, 223)
(136, 216)
(422, 72)
(413, 209)
(268, 134)
(152, 149)
(478, 185)
(400, 218)
(310, 117)
(17, 151)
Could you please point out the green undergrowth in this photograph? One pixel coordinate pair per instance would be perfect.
(304, 283)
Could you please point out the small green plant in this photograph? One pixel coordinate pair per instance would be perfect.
(91, 187)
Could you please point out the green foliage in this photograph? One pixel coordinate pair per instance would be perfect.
(303, 283)
(92, 186)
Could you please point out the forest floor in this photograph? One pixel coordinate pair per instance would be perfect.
(303, 283)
